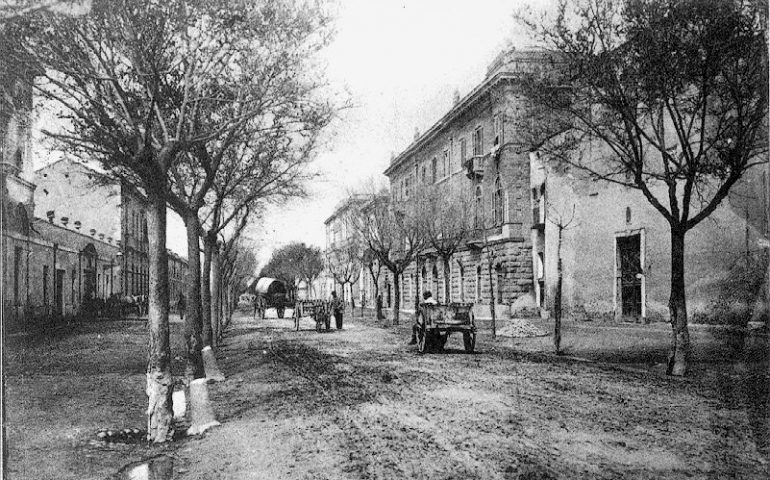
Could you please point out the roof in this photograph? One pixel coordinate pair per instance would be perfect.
(500, 70)
(345, 205)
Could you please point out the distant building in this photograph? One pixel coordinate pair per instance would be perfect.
(177, 278)
(343, 253)
(112, 211)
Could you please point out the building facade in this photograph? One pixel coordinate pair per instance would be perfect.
(114, 212)
(615, 250)
(344, 271)
(471, 151)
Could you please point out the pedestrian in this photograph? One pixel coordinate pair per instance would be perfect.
(181, 306)
(427, 298)
(337, 308)
(379, 307)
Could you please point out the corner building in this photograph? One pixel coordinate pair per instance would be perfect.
(472, 151)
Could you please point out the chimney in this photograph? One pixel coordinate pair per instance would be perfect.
(93, 232)
(456, 97)
(77, 225)
(101, 236)
(416, 133)
(109, 240)
(50, 214)
(117, 242)
(65, 221)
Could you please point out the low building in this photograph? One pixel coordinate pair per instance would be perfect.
(105, 209)
(616, 250)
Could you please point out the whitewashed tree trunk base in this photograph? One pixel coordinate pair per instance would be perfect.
(201, 413)
(213, 373)
(159, 411)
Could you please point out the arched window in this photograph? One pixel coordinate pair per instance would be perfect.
(478, 210)
(498, 202)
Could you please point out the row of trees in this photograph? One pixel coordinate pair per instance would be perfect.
(295, 263)
(210, 108)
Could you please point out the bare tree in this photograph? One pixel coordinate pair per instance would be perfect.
(391, 230)
(447, 222)
(667, 98)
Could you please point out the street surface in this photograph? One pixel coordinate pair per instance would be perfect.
(360, 403)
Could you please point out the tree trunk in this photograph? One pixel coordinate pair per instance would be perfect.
(417, 287)
(159, 381)
(447, 280)
(396, 298)
(557, 304)
(490, 268)
(193, 318)
(201, 413)
(677, 306)
(209, 338)
(210, 278)
(216, 288)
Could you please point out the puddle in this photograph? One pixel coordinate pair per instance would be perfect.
(156, 468)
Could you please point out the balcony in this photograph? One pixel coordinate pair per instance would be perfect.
(474, 167)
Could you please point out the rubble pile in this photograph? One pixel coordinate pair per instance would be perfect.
(520, 328)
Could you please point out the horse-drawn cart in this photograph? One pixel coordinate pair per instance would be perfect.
(435, 322)
(319, 310)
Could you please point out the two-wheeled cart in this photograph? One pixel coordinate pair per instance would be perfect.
(436, 322)
(319, 310)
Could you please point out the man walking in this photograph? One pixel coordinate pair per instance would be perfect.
(337, 308)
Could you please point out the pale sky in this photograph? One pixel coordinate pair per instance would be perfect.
(401, 61)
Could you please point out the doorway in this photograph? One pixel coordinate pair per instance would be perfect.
(59, 293)
(630, 275)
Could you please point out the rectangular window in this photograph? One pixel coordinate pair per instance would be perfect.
(45, 285)
(498, 127)
(447, 166)
(463, 152)
(478, 141)
(434, 170)
(17, 253)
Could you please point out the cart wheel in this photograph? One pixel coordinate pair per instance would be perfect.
(469, 341)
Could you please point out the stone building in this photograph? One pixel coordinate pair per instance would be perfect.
(616, 251)
(114, 212)
(177, 276)
(471, 151)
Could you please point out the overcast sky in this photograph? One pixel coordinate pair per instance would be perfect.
(401, 61)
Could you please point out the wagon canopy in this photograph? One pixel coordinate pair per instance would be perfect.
(269, 286)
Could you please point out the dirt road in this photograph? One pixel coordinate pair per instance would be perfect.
(360, 403)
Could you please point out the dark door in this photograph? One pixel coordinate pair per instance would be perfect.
(58, 293)
(629, 252)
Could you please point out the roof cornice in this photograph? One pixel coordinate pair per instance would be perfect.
(464, 104)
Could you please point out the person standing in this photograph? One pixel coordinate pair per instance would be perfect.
(181, 306)
(337, 308)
